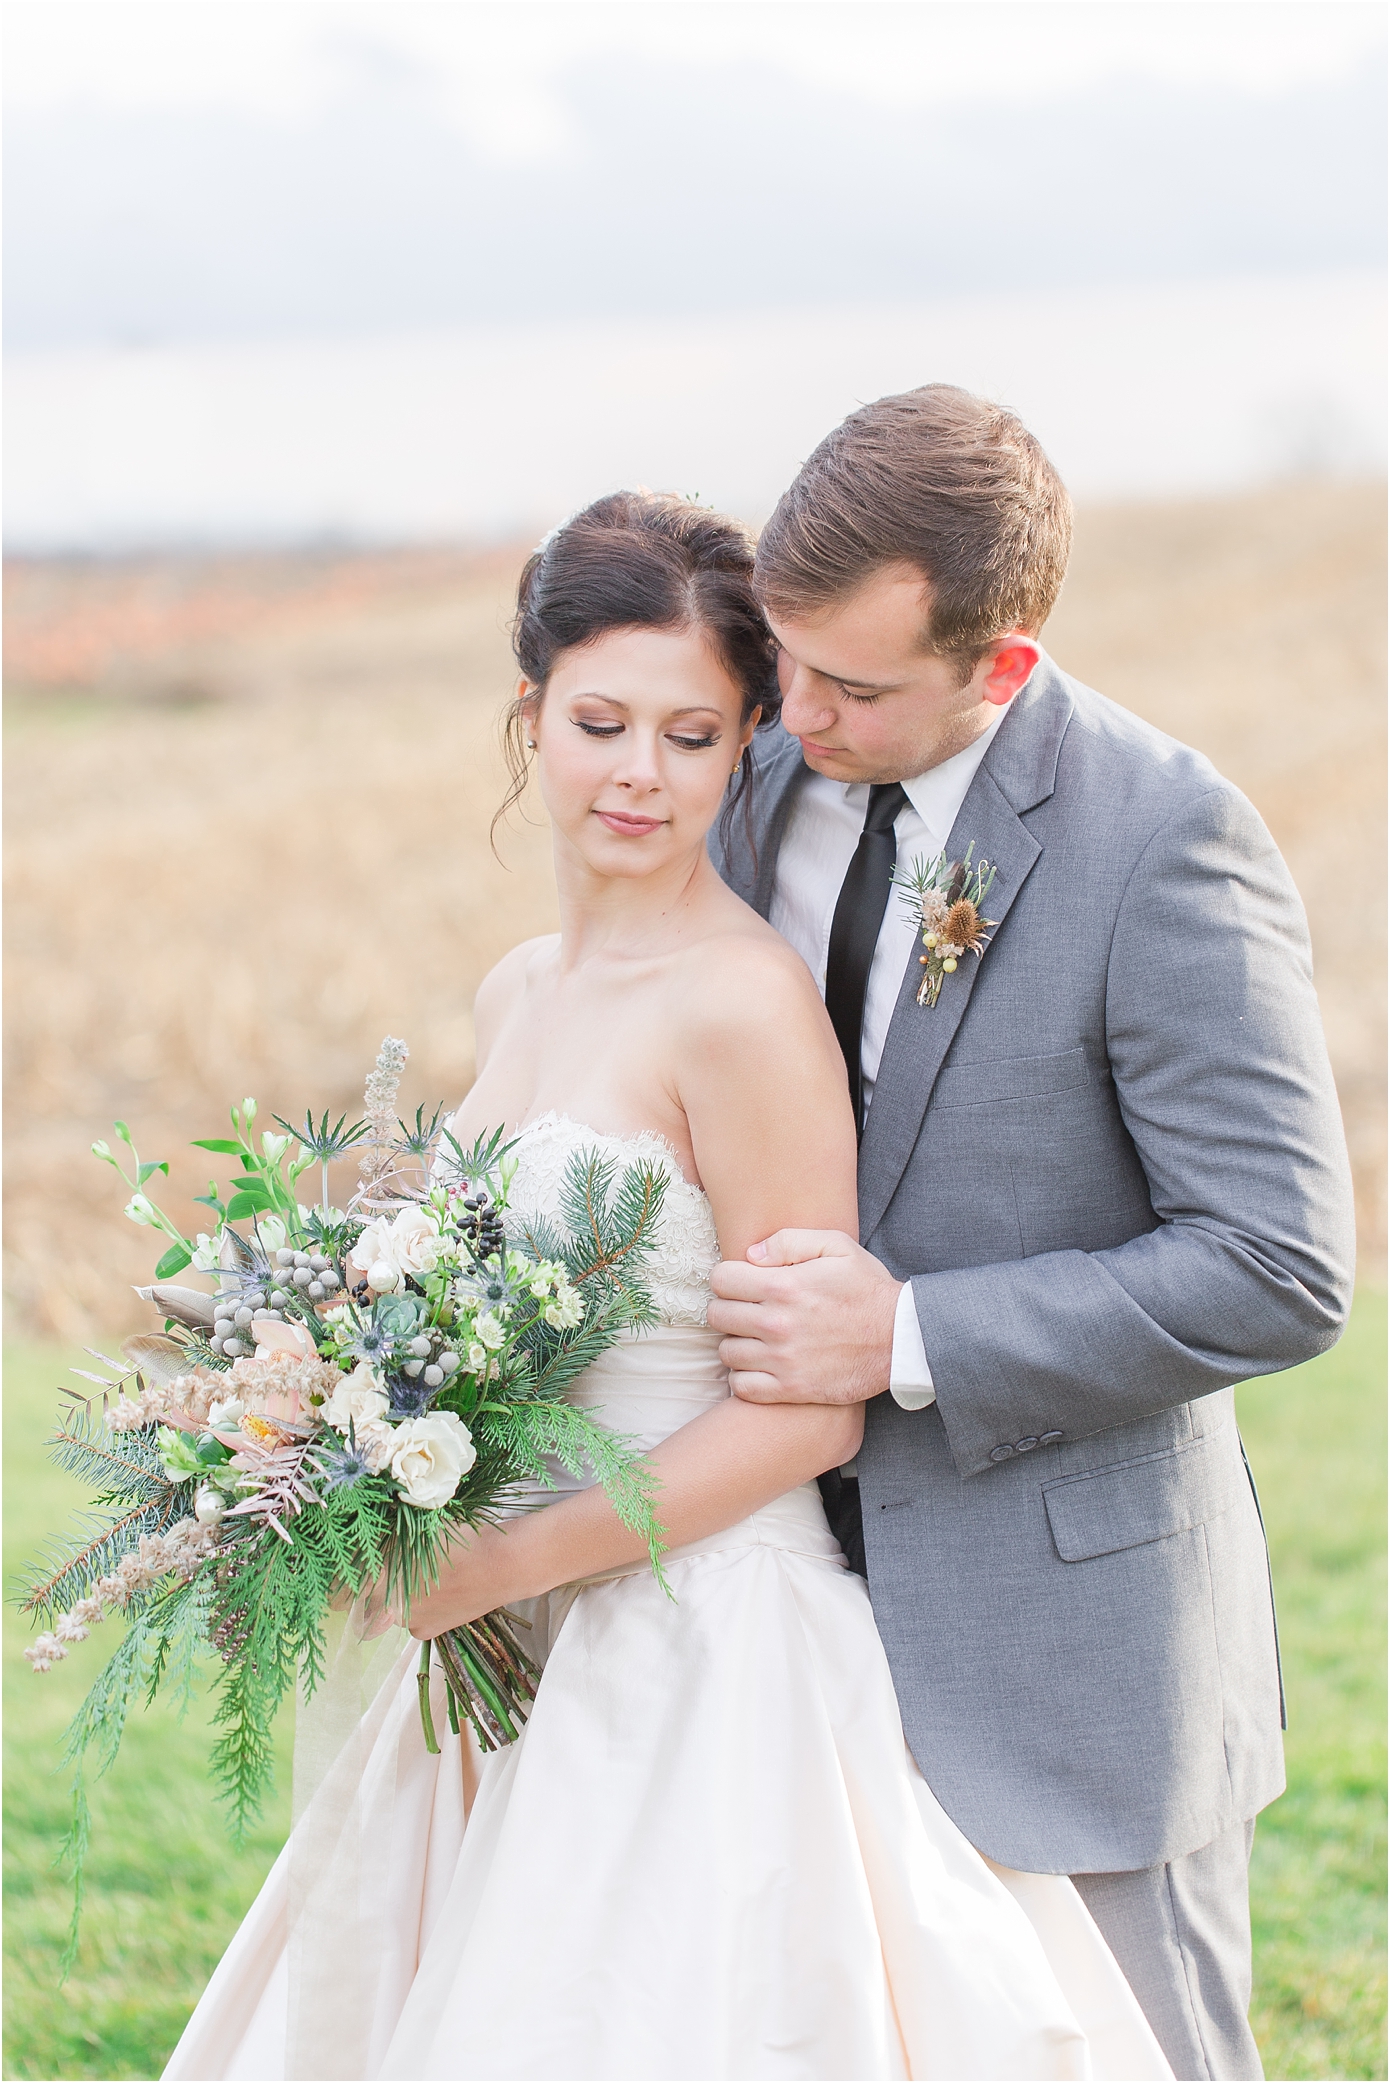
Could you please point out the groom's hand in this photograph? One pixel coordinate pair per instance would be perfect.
(809, 1319)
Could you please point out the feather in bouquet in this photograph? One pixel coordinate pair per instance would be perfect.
(361, 1386)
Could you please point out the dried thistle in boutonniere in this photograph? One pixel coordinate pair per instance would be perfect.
(945, 899)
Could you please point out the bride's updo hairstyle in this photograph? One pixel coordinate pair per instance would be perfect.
(642, 560)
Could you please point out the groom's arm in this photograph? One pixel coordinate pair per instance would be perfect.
(1221, 1073)
(1222, 1078)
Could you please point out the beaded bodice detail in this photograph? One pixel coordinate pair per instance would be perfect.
(686, 1248)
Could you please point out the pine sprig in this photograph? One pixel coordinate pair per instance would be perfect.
(134, 1496)
(610, 1231)
(134, 1468)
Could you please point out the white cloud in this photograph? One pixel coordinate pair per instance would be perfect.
(491, 62)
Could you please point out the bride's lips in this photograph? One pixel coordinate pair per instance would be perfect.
(629, 827)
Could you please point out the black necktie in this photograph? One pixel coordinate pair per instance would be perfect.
(859, 910)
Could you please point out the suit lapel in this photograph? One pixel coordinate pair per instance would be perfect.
(1018, 773)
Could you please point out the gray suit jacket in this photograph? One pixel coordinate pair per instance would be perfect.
(1112, 1164)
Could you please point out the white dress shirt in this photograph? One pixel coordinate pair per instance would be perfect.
(819, 843)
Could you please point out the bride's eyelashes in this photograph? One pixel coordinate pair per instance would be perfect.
(615, 730)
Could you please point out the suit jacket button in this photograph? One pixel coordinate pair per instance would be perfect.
(1025, 1446)
(1048, 1439)
(1002, 1454)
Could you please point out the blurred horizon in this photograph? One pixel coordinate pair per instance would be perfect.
(362, 273)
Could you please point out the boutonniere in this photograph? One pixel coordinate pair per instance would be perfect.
(946, 901)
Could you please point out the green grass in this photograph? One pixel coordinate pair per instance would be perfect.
(166, 1889)
(1316, 1439)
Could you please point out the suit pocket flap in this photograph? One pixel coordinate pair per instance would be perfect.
(1143, 1500)
(989, 1083)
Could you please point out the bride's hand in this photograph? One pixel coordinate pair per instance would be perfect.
(473, 1581)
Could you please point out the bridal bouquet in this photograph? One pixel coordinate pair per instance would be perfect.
(358, 1387)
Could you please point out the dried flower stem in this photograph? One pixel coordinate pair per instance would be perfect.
(378, 1154)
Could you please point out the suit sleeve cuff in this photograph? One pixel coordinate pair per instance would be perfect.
(909, 1377)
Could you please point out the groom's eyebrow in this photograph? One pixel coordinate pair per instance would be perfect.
(869, 686)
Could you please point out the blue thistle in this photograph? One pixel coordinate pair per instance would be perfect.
(343, 1465)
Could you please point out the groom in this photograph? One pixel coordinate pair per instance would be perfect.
(1102, 1178)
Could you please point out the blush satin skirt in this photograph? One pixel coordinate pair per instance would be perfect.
(709, 1855)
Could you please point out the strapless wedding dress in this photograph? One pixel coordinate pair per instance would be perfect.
(709, 1855)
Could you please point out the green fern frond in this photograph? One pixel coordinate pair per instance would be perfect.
(533, 1432)
(72, 1853)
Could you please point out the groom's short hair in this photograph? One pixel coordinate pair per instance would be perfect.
(938, 479)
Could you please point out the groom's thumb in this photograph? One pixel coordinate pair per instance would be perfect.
(794, 1247)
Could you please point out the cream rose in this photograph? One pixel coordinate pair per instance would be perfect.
(358, 1400)
(432, 1455)
(375, 1443)
(409, 1247)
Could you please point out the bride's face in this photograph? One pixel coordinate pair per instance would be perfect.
(637, 735)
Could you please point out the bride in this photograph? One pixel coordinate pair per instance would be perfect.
(709, 1855)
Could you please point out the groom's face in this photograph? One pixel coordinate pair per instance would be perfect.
(868, 702)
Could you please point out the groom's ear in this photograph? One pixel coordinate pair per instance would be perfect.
(1006, 665)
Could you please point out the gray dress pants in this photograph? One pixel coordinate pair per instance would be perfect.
(1181, 1934)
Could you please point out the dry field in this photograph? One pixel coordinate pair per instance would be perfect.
(248, 808)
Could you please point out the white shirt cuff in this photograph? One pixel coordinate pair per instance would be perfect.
(909, 1377)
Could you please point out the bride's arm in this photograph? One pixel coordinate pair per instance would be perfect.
(762, 1084)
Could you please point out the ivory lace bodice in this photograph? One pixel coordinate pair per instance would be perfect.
(686, 1246)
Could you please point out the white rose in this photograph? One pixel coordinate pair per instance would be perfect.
(409, 1246)
(357, 1400)
(431, 1456)
(375, 1443)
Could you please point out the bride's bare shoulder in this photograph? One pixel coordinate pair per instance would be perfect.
(744, 979)
(505, 984)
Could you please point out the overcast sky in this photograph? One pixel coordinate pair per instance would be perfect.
(189, 170)
(279, 270)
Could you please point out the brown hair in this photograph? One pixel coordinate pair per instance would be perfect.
(935, 478)
(641, 560)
